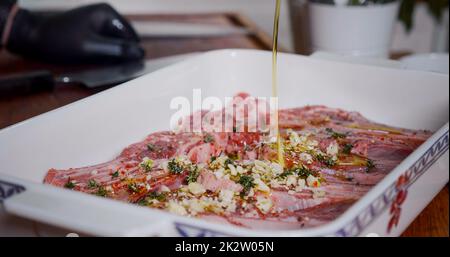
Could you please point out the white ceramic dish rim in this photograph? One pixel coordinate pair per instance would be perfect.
(328, 229)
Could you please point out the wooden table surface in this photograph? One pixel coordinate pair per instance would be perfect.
(433, 221)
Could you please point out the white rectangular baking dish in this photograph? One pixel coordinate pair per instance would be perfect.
(97, 128)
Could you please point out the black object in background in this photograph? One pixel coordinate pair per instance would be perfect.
(89, 34)
(43, 80)
(26, 83)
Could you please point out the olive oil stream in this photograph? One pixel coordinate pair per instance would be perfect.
(276, 23)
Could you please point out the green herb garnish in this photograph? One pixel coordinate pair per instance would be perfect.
(102, 192)
(347, 149)
(133, 188)
(69, 184)
(302, 172)
(328, 161)
(142, 202)
(147, 164)
(247, 182)
(370, 165)
(92, 184)
(115, 174)
(152, 196)
(286, 174)
(174, 167)
(213, 158)
(193, 175)
(158, 196)
(228, 162)
(334, 134)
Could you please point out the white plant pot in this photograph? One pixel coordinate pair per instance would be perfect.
(349, 30)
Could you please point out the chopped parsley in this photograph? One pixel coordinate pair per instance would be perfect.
(347, 148)
(92, 184)
(152, 196)
(370, 165)
(143, 202)
(70, 184)
(133, 188)
(115, 174)
(302, 172)
(213, 158)
(208, 138)
(147, 164)
(102, 192)
(286, 173)
(158, 196)
(229, 161)
(193, 175)
(334, 134)
(327, 161)
(247, 182)
(174, 167)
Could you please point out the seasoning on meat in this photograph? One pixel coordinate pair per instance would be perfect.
(332, 158)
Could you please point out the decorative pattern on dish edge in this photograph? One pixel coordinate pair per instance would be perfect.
(379, 205)
(186, 230)
(8, 189)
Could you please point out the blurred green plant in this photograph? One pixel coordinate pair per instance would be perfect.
(436, 8)
(407, 7)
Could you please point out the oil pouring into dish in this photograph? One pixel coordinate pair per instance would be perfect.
(276, 127)
(322, 161)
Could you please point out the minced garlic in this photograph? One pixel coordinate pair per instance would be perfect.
(294, 139)
(261, 186)
(196, 188)
(333, 149)
(291, 180)
(264, 204)
(176, 208)
(306, 158)
(226, 195)
(312, 181)
(219, 173)
(301, 184)
(233, 170)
